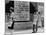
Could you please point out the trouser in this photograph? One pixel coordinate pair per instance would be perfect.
(12, 26)
(34, 28)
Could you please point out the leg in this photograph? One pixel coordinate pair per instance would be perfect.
(33, 28)
(36, 27)
(12, 26)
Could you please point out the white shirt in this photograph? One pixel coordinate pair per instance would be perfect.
(35, 19)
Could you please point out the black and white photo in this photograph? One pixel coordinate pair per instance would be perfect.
(24, 17)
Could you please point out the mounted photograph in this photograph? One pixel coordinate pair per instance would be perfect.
(23, 17)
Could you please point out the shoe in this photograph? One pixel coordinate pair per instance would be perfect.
(10, 27)
(33, 32)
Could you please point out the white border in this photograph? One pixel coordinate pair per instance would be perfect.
(31, 0)
(2, 16)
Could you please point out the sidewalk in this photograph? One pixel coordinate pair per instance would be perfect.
(29, 31)
(40, 30)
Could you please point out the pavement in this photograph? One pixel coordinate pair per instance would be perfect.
(13, 32)
(40, 30)
(29, 31)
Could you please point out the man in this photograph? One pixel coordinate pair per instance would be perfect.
(35, 22)
(12, 20)
(9, 9)
(33, 18)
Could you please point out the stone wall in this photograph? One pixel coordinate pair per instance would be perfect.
(21, 10)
